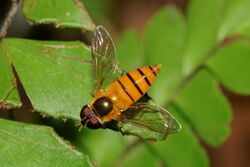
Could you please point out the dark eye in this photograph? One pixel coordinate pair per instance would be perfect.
(85, 112)
(103, 106)
(93, 123)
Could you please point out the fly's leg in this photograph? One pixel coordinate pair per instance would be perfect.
(78, 123)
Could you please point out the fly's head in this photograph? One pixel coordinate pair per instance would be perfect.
(89, 119)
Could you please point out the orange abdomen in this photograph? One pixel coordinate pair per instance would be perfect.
(131, 86)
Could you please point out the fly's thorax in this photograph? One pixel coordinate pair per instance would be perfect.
(115, 114)
(103, 106)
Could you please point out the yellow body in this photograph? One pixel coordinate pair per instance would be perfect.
(127, 89)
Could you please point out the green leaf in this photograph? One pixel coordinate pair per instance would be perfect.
(203, 18)
(129, 51)
(164, 42)
(103, 146)
(236, 19)
(98, 10)
(8, 94)
(206, 108)
(57, 76)
(231, 65)
(139, 156)
(63, 13)
(183, 148)
(33, 145)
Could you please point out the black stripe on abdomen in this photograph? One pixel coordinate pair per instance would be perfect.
(144, 76)
(135, 84)
(125, 90)
(152, 70)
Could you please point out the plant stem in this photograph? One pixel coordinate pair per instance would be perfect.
(9, 16)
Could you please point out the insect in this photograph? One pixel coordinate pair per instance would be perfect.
(120, 94)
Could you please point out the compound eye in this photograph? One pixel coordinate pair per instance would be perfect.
(85, 112)
(103, 106)
(94, 123)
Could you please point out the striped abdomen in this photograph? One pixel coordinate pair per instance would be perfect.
(131, 86)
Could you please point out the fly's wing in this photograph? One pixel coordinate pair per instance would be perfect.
(104, 58)
(148, 121)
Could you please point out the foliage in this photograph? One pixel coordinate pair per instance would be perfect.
(55, 74)
(17, 140)
(193, 50)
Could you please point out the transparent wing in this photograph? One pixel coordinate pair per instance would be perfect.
(104, 58)
(149, 121)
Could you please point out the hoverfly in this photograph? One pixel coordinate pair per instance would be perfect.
(121, 94)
